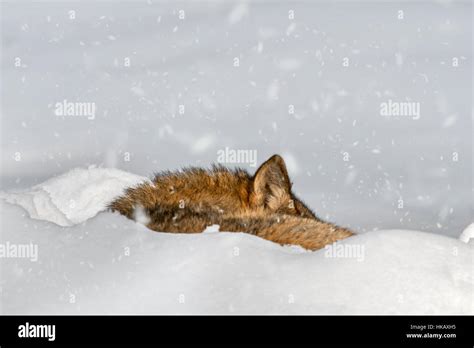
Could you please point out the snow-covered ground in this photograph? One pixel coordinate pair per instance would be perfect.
(171, 84)
(106, 263)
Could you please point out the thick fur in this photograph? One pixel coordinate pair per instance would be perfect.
(263, 205)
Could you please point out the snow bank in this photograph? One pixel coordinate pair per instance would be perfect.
(74, 196)
(109, 264)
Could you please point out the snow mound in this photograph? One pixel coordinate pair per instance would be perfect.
(75, 196)
(112, 265)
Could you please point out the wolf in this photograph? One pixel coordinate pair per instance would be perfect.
(191, 200)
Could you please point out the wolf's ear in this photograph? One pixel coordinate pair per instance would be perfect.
(271, 184)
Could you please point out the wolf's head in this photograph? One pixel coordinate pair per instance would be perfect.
(271, 190)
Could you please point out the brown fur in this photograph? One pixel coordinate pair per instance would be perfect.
(263, 205)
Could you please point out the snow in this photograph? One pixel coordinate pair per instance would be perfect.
(211, 229)
(161, 80)
(104, 263)
(75, 196)
(467, 236)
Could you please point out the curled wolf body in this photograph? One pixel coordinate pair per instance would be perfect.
(263, 205)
